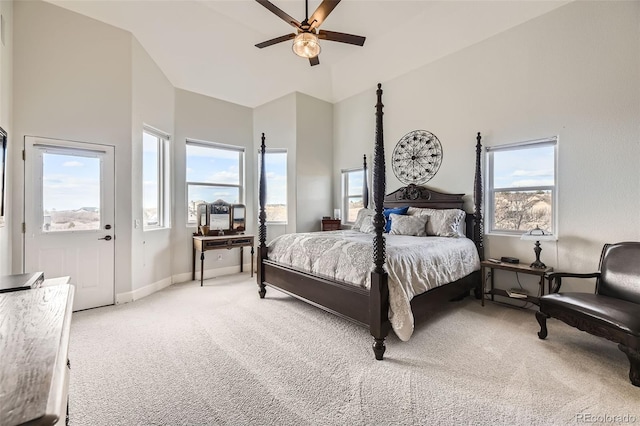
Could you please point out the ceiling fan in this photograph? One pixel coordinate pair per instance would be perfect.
(305, 41)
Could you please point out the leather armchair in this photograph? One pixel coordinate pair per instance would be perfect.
(613, 312)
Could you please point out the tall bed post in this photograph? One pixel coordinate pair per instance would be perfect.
(365, 184)
(379, 294)
(478, 227)
(262, 217)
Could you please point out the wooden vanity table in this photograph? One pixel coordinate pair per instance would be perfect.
(202, 244)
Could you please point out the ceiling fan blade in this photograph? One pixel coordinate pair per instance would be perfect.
(314, 61)
(276, 40)
(341, 37)
(280, 13)
(321, 13)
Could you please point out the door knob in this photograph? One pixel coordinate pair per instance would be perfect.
(108, 238)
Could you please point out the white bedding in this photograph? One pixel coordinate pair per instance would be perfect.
(415, 264)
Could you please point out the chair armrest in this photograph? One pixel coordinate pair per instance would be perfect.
(557, 277)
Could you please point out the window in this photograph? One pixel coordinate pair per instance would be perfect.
(155, 192)
(352, 193)
(522, 186)
(214, 172)
(275, 163)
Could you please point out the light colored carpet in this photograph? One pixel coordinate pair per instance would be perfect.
(219, 355)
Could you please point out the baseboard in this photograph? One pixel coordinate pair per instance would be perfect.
(139, 293)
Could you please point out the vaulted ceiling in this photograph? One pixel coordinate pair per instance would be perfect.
(207, 46)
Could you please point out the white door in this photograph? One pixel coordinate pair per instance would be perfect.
(69, 216)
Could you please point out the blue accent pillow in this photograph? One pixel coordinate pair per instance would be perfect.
(387, 211)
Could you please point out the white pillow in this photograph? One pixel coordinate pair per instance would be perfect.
(442, 222)
(362, 214)
(408, 225)
(367, 225)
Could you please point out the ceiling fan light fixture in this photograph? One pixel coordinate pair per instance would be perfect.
(306, 45)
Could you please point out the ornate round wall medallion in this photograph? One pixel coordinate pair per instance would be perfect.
(417, 157)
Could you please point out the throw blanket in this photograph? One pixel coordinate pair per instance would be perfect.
(415, 264)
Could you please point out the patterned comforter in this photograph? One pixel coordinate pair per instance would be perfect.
(415, 264)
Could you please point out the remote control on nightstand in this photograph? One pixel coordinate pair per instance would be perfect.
(493, 260)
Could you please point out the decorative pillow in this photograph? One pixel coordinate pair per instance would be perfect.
(442, 222)
(367, 225)
(387, 211)
(362, 214)
(408, 225)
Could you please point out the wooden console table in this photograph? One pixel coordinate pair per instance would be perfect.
(202, 244)
(517, 268)
(34, 343)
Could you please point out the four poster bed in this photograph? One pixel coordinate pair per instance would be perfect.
(441, 269)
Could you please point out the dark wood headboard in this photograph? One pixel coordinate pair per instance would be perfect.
(420, 196)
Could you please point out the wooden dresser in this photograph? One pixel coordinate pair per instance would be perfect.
(34, 366)
(331, 224)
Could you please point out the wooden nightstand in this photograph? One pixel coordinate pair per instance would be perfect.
(330, 224)
(513, 267)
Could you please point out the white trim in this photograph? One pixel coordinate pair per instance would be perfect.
(156, 132)
(218, 145)
(521, 145)
(139, 293)
(213, 273)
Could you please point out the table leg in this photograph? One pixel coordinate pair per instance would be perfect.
(251, 260)
(241, 258)
(193, 264)
(201, 268)
(482, 284)
(492, 283)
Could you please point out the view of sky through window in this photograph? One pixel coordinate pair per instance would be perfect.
(150, 184)
(524, 167)
(276, 171)
(70, 182)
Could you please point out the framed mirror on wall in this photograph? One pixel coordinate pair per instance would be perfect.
(3, 175)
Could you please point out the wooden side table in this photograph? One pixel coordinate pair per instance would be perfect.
(331, 224)
(513, 267)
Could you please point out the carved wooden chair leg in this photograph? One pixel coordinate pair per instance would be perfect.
(542, 320)
(379, 348)
(634, 361)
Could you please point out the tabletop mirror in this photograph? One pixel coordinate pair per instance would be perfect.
(219, 218)
(238, 217)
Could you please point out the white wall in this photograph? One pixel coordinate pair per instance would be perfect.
(314, 161)
(6, 112)
(203, 118)
(153, 102)
(573, 72)
(72, 80)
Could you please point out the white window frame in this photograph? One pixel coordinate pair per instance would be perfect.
(219, 146)
(345, 193)
(266, 153)
(164, 193)
(490, 190)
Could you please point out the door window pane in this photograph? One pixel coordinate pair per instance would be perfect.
(70, 193)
